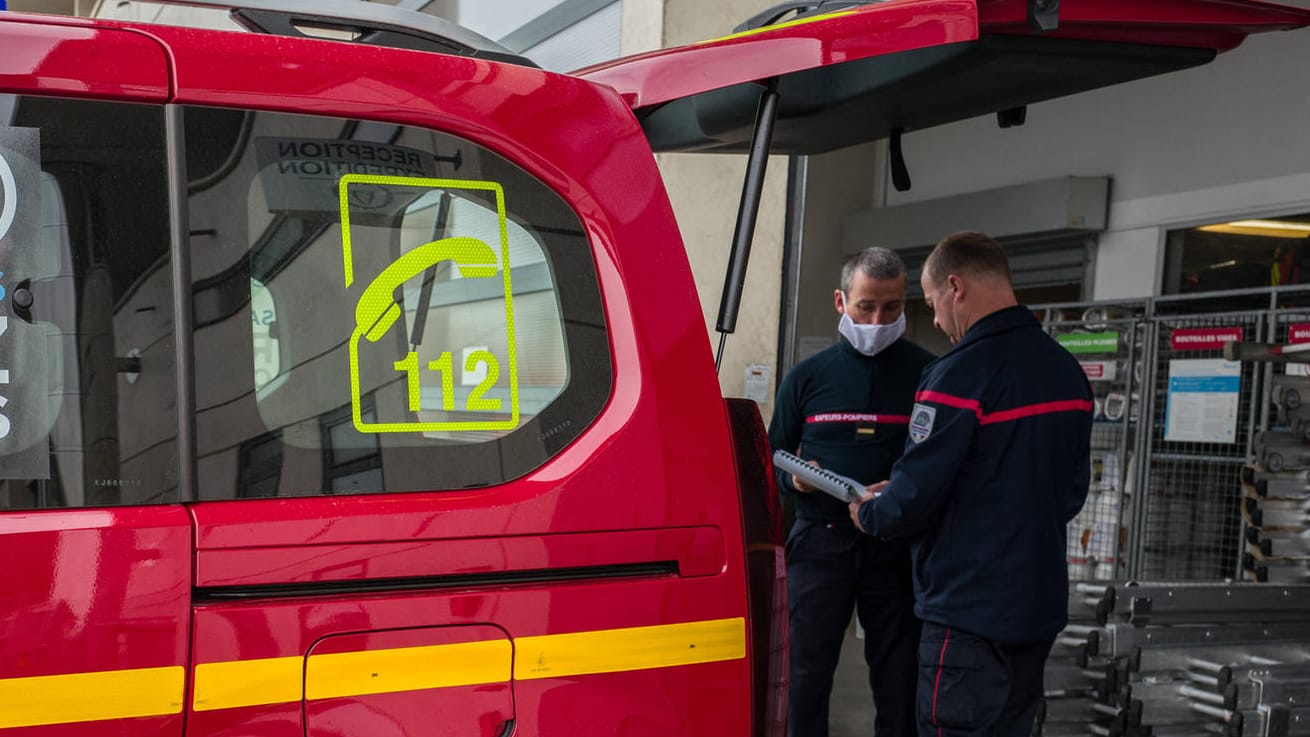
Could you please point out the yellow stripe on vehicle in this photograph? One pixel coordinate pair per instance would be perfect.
(407, 669)
(633, 648)
(248, 683)
(89, 697)
(776, 26)
(123, 694)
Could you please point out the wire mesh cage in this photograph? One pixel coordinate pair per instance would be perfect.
(1109, 342)
(1276, 492)
(1216, 488)
(1202, 419)
(1201, 466)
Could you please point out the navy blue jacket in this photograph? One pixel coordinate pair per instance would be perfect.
(996, 466)
(848, 411)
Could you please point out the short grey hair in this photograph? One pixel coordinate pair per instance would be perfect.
(876, 263)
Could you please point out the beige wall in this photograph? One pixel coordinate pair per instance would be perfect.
(705, 190)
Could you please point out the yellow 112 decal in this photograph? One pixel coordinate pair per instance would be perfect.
(377, 312)
(446, 367)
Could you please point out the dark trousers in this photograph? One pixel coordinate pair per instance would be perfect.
(973, 687)
(833, 569)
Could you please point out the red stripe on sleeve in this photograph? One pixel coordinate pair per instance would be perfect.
(973, 405)
(1032, 410)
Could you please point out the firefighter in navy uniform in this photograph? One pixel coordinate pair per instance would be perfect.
(847, 409)
(997, 464)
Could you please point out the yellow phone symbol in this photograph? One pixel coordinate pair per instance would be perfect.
(378, 309)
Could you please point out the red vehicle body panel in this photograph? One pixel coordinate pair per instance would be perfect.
(80, 60)
(660, 76)
(656, 418)
(102, 592)
(697, 551)
(660, 421)
(900, 25)
(473, 709)
(1216, 24)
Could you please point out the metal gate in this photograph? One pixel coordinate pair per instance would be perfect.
(1174, 427)
(1201, 486)
(1109, 341)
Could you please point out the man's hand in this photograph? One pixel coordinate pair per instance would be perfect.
(870, 492)
(800, 485)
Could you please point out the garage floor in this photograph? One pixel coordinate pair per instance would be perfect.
(850, 711)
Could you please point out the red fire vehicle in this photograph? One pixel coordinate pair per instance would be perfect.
(361, 387)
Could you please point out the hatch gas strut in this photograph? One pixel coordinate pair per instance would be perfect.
(751, 191)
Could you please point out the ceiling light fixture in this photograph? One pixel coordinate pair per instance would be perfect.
(1266, 228)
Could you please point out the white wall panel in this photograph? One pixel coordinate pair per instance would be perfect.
(1226, 139)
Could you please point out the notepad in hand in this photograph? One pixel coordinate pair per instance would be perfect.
(836, 485)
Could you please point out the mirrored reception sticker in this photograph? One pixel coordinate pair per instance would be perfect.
(380, 307)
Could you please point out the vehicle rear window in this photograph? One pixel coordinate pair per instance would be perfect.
(88, 398)
(381, 308)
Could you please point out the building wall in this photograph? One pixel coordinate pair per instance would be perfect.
(1228, 139)
(835, 185)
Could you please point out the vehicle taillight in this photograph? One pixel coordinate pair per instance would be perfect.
(766, 581)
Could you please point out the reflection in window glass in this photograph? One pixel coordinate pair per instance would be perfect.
(264, 329)
(89, 414)
(261, 464)
(403, 318)
(1238, 254)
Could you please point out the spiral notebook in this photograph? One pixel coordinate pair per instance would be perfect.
(836, 485)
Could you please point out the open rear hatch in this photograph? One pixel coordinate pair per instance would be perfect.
(869, 71)
(843, 72)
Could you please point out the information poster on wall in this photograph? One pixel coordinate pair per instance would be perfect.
(758, 386)
(1203, 400)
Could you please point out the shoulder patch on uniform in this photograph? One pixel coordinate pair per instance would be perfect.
(921, 419)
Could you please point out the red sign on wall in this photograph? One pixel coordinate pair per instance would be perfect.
(1203, 339)
(1298, 332)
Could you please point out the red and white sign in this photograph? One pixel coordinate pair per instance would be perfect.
(1099, 370)
(1298, 333)
(1203, 339)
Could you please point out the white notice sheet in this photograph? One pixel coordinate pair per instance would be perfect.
(1203, 398)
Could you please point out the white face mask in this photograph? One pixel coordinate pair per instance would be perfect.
(870, 339)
